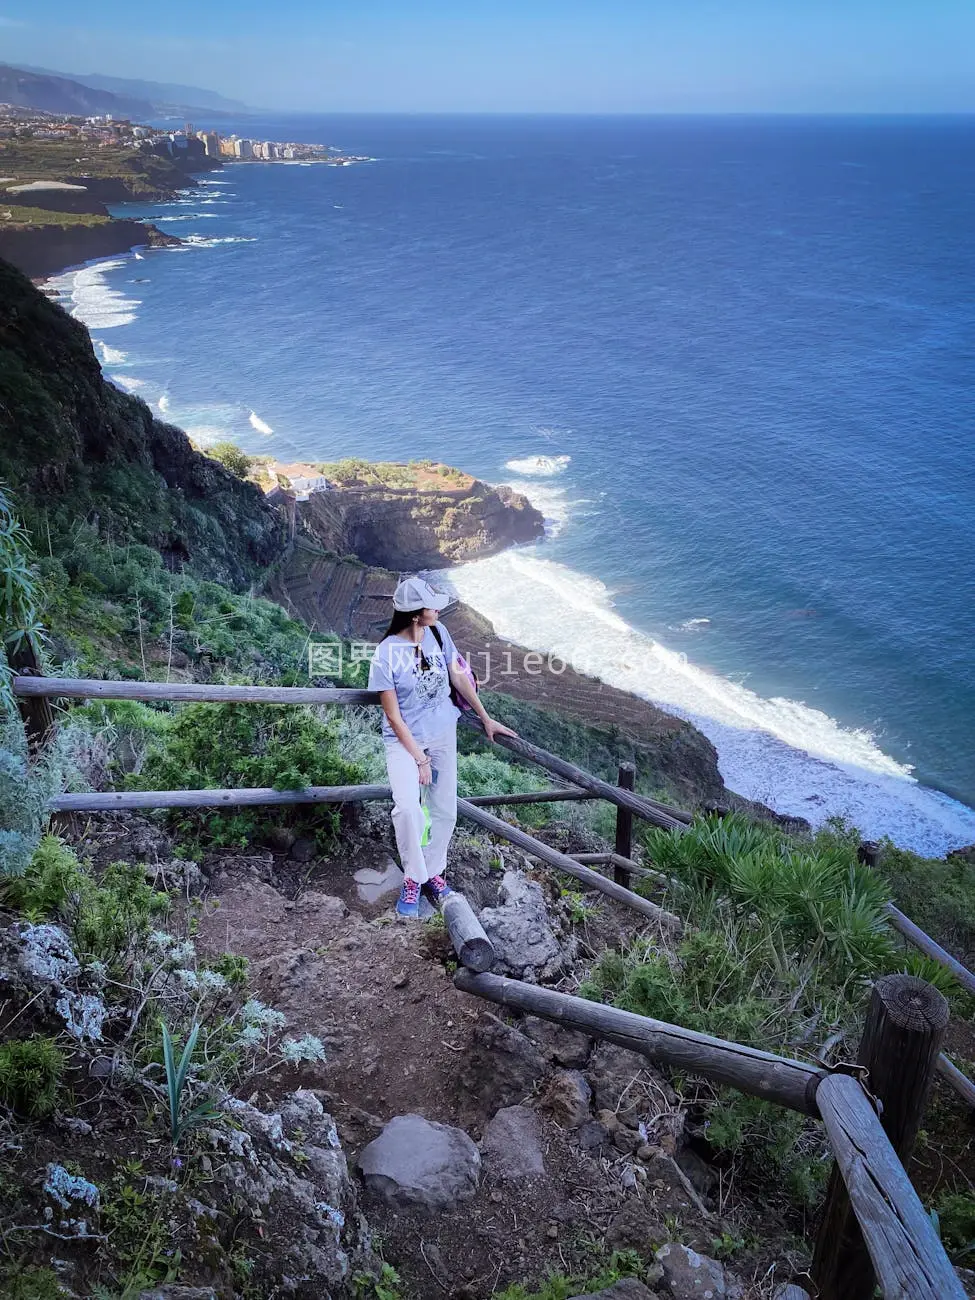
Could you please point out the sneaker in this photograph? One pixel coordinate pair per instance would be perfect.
(438, 889)
(408, 903)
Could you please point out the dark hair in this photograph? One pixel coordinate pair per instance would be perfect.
(401, 618)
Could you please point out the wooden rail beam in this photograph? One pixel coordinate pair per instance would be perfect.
(915, 935)
(902, 1037)
(762, 1074)
(570, 793)
(117, 800)
(650, 810)
(563, 862)
(84, 688)
(908, 1259)
(472, 946)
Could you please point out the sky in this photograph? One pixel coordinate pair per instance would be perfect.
(576, 56)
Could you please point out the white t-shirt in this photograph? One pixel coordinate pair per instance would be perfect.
(423, 697)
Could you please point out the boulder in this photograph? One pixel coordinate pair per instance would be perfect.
(624, 1082)
(512, 1144)
(690, 1276)
(521, 931)
(503, 1066)
(564, 1046)
(416, 1162)
(567, 1099)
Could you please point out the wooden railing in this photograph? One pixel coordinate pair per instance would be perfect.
(874, 1229)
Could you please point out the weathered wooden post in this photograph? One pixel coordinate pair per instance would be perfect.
(899, 1051)
(868, 853)
(472, 946)
(37, 711)
(624, 825)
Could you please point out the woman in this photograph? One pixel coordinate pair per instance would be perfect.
(413, 669)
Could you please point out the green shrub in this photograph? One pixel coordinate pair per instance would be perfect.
(955, 1213)
(231, 457)
(105, 918)
(30, 1075)
(217, 746)
(31, 1284)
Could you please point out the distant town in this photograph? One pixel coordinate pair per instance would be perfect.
(183, 145)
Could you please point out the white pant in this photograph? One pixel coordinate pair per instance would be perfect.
(420, 863)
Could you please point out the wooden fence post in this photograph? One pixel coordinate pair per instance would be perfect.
(902, 1037)
(37, 712)
(868, 853)
(624, 825)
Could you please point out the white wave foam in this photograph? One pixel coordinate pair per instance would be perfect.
(138, 257)
(205, 434)
(164, 403)
(794, 758)
(209, 182)
(260, 425)
(206, 241)
(130, 383)
(109, 355)
(690, 625)
(90, 299)
(543, 465)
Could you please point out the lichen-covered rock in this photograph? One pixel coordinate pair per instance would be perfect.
(512, 1144)
(287, 1170)
(415, 1162)
(521, 930)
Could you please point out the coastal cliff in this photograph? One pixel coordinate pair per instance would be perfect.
(42, 250)
(74, 448)
(416, 527)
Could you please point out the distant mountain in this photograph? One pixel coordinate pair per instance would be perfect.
(160, 94)
(56, 94)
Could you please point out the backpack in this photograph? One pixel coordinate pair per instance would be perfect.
(455, 698)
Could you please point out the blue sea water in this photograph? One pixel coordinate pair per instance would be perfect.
(730, 358)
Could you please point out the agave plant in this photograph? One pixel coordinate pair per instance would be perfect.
(180, 1124)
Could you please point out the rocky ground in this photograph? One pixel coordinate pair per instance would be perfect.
(489, 1151)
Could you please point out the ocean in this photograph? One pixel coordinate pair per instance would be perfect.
(729, 358)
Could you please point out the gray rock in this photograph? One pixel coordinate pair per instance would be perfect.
(690, 1276)
(521, 931)
(567, 1099)
(288, 1168)
(566, 1047)
(416, 1162)
(593, 1136)
(512, 1144)
(628, 1288)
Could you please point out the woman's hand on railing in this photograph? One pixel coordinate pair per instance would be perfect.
(492, 729)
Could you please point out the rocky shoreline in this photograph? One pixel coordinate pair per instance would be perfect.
(42, 251)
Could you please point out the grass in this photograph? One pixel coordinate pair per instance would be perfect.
(425, 475)
(13, 217)
(783, 939)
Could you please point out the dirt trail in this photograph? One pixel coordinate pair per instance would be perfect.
(400, 1039)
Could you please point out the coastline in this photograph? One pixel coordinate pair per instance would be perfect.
(768, 769)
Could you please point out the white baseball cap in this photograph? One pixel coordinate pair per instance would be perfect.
(414, 593)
